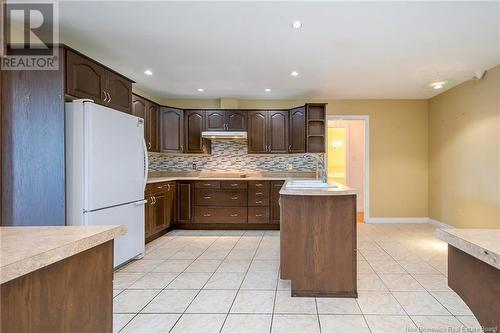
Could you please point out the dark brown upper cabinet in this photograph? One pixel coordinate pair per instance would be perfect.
(257, 132)
(139, 108)
(225, 120)
(316, 121)
(268, 132)
(171, 130)
(194, 124)
(86, 78)
(297, 130)
(151, 126)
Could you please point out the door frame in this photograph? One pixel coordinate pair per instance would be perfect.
(366, 189)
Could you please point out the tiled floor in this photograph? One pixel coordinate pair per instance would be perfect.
(228, 281)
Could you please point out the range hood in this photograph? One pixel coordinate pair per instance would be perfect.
(229, 135)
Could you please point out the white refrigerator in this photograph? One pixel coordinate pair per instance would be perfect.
(106, 173)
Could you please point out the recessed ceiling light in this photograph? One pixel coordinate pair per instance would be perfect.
(200, 89)
(148, 72)
(267, 90)
(436, 85)
(297, 24)
(294, 73)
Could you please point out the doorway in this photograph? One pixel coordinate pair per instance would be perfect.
(347, 157)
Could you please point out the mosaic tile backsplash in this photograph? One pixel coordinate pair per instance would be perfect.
(231, 155)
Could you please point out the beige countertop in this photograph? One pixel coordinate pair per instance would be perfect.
(26, 249)
(332, 189)
(156, 178)
(483, 244)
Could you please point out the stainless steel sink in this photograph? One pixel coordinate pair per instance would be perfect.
(309, 183)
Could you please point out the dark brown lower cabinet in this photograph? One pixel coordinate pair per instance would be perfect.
(159, 209)
(184, 201)
(275, 197)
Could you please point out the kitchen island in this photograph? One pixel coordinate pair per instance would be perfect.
(474, 271)
(57, 279)
(318, 238)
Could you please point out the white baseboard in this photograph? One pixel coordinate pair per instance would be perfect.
(397, 220)
(439, 224)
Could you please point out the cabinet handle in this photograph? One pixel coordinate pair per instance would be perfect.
(258, 193)
(149, 145)
(289, 147)
(234, 198)
(109, 95)
(258, 202)
(207, 184)
(207, 215)
(234, 185)
(168, 187)
(105, 97)
(258, 185)
(258, 215)
(207, 198)
(234, 215)
(154, 200)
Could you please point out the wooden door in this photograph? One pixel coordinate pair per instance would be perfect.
(275, 196)
(194, 121)
(149, 215)
(277, 137)
(152, 114)
(171, 130)
(84, 78)
(297, 130)
(215, 121)
(119, 91)
(236, 120)
(171, 191)
(184, 201)
(160, 212)
(257, 131)
(139, 110)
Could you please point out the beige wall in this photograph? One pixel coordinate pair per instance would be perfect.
(464, 154)
(398, 148)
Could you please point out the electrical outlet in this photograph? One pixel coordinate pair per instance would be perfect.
(195, 167)
(289, 167)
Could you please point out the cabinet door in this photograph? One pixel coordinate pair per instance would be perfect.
(277, 132)
(275, 196)
(160, 212)
(297, 130)
(152, 114)
(149, 215)
(184, 200)
(236, 120)
(84, 78)
(257, 131)
(171, 130)
(139, 110)
(171, 191)
(119, 92)
(194, 121)
(215, 121)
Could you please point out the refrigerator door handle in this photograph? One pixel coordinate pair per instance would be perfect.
(140, 203)
(146, 162)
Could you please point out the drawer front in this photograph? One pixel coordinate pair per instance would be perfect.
(157, 187)
(220, 214)
(258, 214)
(214, 184)
(259, 185)
(258, 199)
(220, 197)
(233, 184)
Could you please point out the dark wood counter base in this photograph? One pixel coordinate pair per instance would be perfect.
(478, 284)
(72, 295)
(227, 226)
(318, 245)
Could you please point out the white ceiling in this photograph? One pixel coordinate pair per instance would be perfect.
(237, 49)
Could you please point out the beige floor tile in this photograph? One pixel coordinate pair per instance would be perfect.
(199, 323)
(264, 266)
(328, 305)
(154, 281)
(284, 285)
(171, 301)
(247, 323)
(343, 324)
(116, 292)
(376, 302)
(401, 282)
(418, 267)
(212, 301)
(120, 320)
(471, 323)
(286, 304)
(295, 324)
(419, 303)
(370, 282)
(189, 281)
(437, 323)
(433, 282)
(234, 266)
(160, 253)
(386, 266)
(364, 267)
(125, 280)
(132, 301)
(216, 254)
(260, 280)
(253, 301)
(141, 266)
(203, 266)
(390, 324)
(225, 281)
(187, 254)
(151, 323)
(173, 266)
(451, 301)
(241, 254)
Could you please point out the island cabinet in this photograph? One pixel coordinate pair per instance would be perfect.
(268, 132)
(194, 124)
(149, 111)
(276, 186)
(159, 210)
(226, 120)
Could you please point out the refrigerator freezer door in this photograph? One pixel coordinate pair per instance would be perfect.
(114, 157)
(131, 216)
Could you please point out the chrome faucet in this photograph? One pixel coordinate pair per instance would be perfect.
(320, 160)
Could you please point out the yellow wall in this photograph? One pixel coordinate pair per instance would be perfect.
(337, 157)
(398, 147)
(464, 154)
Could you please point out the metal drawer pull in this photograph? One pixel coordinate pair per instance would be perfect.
(234, 198)
(258, 193)
(234, 215)
(233, 185)
(258, 185)
(207, 198)
(258, 215)
(207, 184)
(207, 215)
(258, 202)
